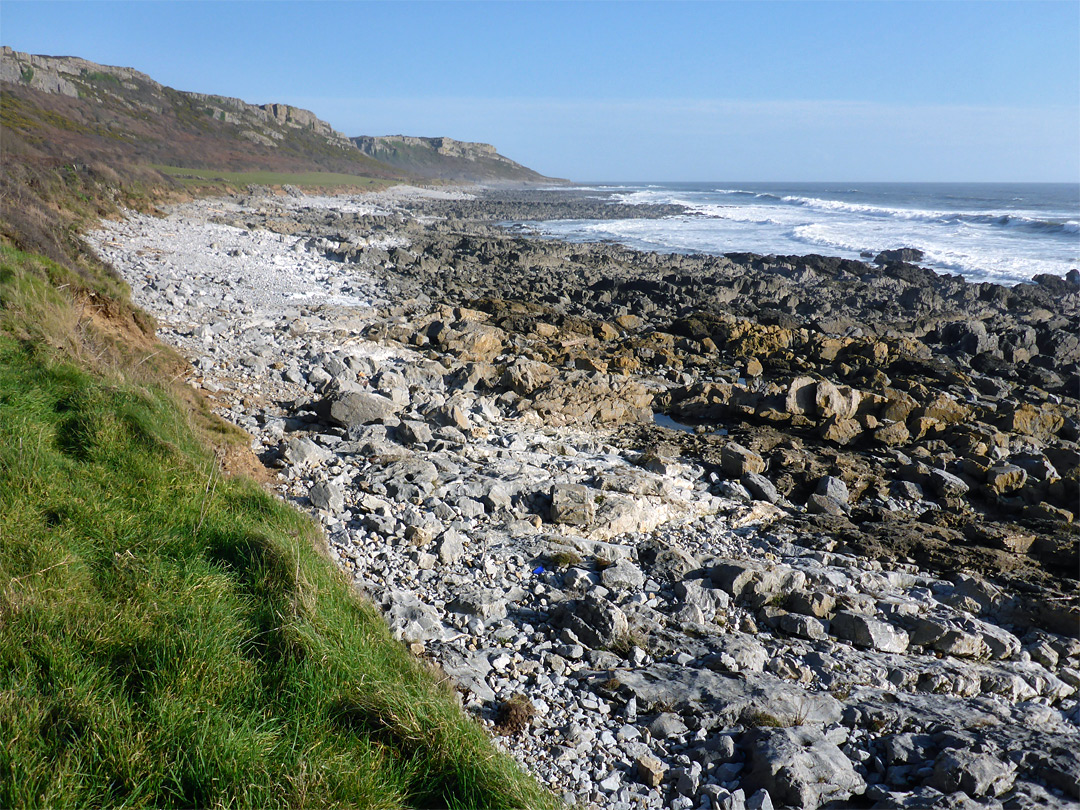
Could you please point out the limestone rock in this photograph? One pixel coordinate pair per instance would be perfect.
(840, 430)
(623, 576)
(833, 487)
(728, 696)
(760, 487)
(800, 767)
(328, 497)
(469, 341)
(596, 621)
(839, 402)
(736, 461)
(892, 435)
(303, 451)
(818, 504)
(802, 396)
(976, 774)
(411, 619)
(572, 504)
(355, 409)
(754, 583)
(473, 600)
(866, 632)
(585, 397)
(667, 725)
(1005, 478)
(1038, 422)
(946, 484)
(412, 432)
(649, 770)
(525, 376)
(668, 563)
(450, 546)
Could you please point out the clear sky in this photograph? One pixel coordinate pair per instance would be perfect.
(873, 90)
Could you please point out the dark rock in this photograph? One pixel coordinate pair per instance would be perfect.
(906, 255)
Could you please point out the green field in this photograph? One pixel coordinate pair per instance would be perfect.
(310, 180)
(170, 637)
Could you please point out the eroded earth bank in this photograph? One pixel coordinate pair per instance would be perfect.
(839, 569)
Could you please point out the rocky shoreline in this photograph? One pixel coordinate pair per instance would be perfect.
(839, 569)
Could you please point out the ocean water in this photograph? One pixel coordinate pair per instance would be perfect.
(1005, 233)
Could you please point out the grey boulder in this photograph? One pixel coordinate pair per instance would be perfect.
(355, 409)
(976, 774)
(800, 767)
(327, 497)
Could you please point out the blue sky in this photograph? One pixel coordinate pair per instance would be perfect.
(908, 90)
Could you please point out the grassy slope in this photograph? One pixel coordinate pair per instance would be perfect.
(111, 124)
(171, 637)
(168, 636)
(205, 178)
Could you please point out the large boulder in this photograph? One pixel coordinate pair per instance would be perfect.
(301, 451)
(799, 767)
(590, 397)
(572, 505)
(907, 255)
(596, 621)
(969, 337)
(802, 396)
(664, 561)
(468, 340)
(736, 461)
(732, 698)
(977, 774)
(841, 402)
(1042, 423)
(898, 406)
(412, 619)
(361, 408)
(525, 376)
(328, 497)
(864, 631)
(753, 583)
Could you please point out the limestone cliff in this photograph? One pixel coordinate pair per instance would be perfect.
(447, 159)
(70, 76)
(66, 108)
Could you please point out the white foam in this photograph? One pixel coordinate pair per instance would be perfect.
(992, 243)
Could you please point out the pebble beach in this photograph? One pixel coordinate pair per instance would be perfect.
(806, 586)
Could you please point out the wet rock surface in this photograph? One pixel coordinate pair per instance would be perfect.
(844, 574)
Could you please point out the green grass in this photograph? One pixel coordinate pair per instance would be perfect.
(319, 180)
(170, 637)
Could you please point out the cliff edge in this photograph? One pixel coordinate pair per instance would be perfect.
(447, 159)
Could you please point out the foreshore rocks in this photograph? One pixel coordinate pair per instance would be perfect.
(839, 569)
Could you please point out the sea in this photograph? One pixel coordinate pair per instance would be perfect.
(1005, 233)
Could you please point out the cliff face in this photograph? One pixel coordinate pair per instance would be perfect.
(444, 146)
(66, 109)
(447, 159)
(64, 75)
